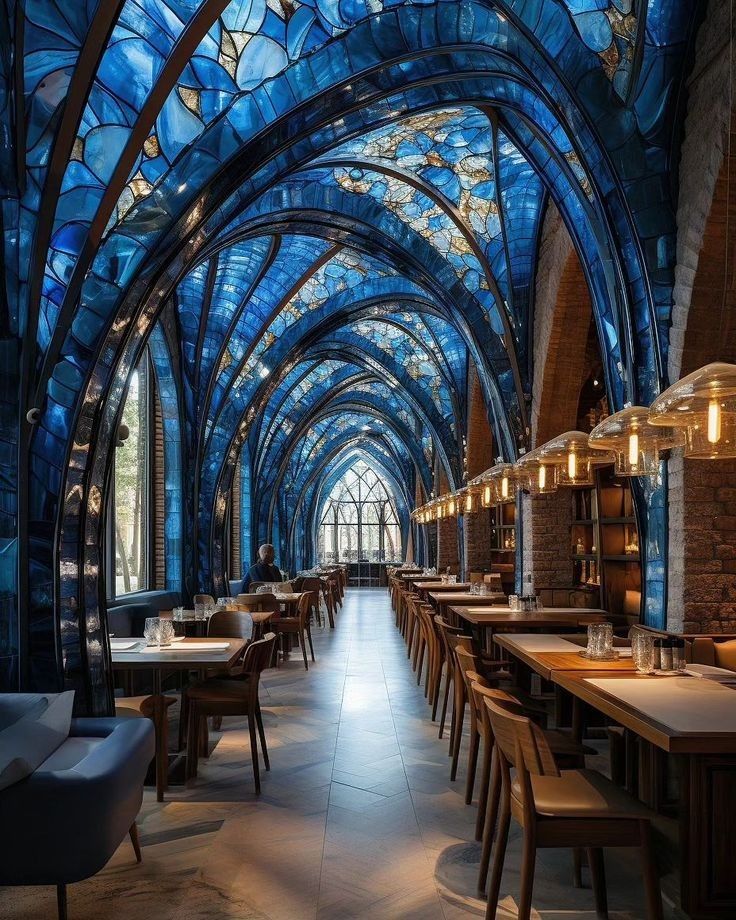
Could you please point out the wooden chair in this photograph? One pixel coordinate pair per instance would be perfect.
(425, 613)
(448, 666)
(312, 585)
(299, 626)
(144, 707)
(566, 751)
(234, 697)
(568, 808)
(329, 600)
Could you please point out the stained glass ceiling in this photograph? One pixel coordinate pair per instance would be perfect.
(322, 208)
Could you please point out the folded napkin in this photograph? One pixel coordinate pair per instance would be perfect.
(122, 645)
(721, 675)
(188, 647)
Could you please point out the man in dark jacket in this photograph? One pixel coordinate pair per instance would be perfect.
(264, 569)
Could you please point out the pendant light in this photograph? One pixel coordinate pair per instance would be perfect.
(703, 406)
(504, 482)
(573, 458)
(537, 478)
(635, 442)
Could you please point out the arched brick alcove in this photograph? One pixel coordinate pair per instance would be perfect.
(702, 494)
(562, 321)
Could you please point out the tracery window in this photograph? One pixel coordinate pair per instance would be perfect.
(359, 521)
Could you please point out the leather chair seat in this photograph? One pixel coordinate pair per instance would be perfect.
(581, 794)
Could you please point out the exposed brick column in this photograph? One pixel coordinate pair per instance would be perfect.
(562, 319)
(479, 454)
(546, 545)
(701, 577)
(447, 545)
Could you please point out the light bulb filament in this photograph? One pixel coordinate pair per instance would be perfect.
(542, 476)
(505, 487)
(572, 465)
(714, 422)
(634, 449)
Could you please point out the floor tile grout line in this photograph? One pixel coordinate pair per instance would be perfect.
(411, 794)
(332, 772)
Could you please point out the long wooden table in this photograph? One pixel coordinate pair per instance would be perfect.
(690, 718)
(165, 660)
(544, 654)
(484, 619)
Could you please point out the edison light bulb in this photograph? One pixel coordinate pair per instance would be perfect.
(468, 502)
(487, 495)
(505, 487)
(714, 421)
(633, 449)
(572, 465)
(542, 476)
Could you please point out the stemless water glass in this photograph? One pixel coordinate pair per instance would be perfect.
(166, 632)
(178, 614)
(514, 601)
(642, 651)
(199, 611)
(600, 640)
(151, 630)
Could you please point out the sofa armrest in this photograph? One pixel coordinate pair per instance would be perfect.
(62, 826)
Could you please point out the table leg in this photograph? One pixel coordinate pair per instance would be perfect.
(161, 724)
(707, 829)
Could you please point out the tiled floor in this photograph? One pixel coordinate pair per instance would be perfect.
(357, 818)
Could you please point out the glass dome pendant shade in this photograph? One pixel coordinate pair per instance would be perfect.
(537, 478)
(703, 405)
(504, 482)
(573, 458)
(635, 443)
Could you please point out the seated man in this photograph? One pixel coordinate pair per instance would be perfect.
(264, 569)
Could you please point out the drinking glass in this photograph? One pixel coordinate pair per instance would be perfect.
(514, 601)
(178, 613)
(642, 651)
(199, 611)
(452, 580)
(166, 632)
(600, 640)
(209, 609)
(151, 630)
(263, 589)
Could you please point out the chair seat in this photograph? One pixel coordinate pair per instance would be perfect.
(127, 707)
(218, 689)
(581, 794)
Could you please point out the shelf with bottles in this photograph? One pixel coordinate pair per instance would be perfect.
(503, 528)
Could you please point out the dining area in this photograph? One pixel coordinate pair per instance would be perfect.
(581, 733)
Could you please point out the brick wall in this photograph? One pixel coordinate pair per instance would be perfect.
(546, 539)
(702, 495)
(702, 560)
(447, 545)
(562, 318)
(477, 526)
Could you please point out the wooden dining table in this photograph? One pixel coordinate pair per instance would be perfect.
(692, 719)
(186, 654)
(484, 619)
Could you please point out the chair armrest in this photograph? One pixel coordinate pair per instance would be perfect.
(62, 826)
(99, 727)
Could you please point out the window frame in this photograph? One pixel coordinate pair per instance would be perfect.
(148, 524)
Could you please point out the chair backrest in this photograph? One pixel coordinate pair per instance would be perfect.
(260, 603)
(258, 657)
(204, 599)
(706, 650)
(230, 624)
(254, 585)
(522, 743)
(287, 587)
(304, 610)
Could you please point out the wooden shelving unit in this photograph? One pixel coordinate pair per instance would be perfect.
(605, 543)
(503, 542)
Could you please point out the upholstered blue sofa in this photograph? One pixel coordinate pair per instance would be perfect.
(62, 823)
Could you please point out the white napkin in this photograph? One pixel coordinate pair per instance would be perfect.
(721, 675)
(188, 647)
(122, 645)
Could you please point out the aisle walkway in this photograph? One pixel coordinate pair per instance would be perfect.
(357, 817)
